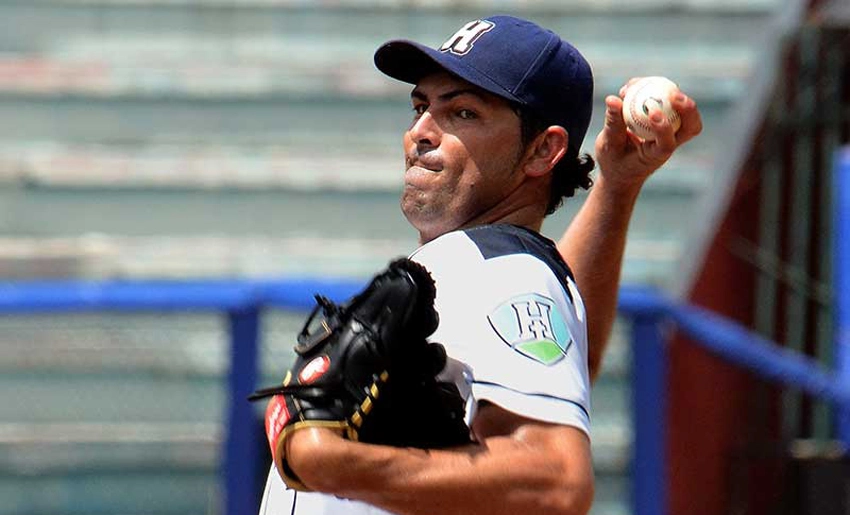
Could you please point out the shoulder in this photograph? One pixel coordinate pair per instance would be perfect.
(499, 240)
(465, 251)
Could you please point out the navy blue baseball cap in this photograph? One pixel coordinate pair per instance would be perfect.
(512, 58)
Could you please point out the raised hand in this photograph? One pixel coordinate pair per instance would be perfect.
(626, 160)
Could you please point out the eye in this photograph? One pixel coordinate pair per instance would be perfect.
(466, 114)
(419, 109)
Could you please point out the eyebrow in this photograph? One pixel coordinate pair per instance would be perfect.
(418, 95)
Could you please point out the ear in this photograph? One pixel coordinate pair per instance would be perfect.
(545, 151)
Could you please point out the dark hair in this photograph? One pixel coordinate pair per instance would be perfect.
(569, 174)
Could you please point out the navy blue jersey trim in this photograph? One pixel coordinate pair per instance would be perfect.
(503, 240)
(544, 395)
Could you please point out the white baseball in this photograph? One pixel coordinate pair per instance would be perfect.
(644, 96)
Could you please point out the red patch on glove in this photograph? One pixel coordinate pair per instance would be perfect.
(314, 369)
(276, 418)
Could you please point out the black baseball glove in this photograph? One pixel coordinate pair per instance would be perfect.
(366, 369)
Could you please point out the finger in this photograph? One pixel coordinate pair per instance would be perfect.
(691, 119)
(665, 133)
(627, 85)
(615, 125)
(636, 140)
(665, 138)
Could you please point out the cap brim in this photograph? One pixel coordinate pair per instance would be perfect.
(409, 62)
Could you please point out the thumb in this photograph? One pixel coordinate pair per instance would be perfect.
(615, 126)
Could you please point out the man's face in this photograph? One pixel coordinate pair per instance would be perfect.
(461, 155)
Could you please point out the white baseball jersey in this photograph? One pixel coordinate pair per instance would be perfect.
(514, 328)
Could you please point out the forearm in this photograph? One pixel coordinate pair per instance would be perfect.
(505, 476)
(593, 246)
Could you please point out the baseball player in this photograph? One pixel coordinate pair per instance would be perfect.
(500, 111)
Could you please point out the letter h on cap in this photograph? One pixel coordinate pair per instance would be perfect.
(463, 40)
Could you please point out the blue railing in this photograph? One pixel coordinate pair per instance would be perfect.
(243, 301)
(649, 312)
(841, 281)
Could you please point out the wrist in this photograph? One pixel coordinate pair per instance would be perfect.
(620, 190)
(308, 452)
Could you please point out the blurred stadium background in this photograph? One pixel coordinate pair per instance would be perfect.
(194, 139)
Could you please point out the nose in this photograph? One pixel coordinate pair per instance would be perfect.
(425, 132)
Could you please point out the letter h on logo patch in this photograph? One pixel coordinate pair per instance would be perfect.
(533, 320)
(532, 325)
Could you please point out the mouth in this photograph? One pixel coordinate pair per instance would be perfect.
(420, 170)
(423, 164)
(420, 177)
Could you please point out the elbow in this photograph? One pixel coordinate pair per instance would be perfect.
(581, 496)
(564, 468)
(570, 497)
(569, 489)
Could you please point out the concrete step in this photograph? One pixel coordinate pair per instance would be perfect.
(139, 233)
(370, 127)
(134, 66)
(250, 50)
(206, 165)
(40, 24)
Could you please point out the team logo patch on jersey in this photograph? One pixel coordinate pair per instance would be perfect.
(532, 325)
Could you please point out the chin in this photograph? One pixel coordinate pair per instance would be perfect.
(414, 206)
(428, 230)
(429, 219)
